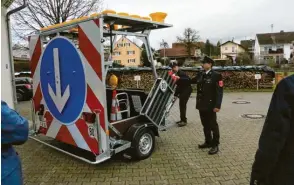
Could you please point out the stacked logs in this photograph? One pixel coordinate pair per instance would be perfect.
(233, 79)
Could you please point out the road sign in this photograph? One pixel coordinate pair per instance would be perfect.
(163, 86)
(257, 76)
(137, 78)
(63, 82)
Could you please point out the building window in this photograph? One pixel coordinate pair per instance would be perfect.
(120, 45)
(226, 48)
(131, 60)
(117, 53)
(127, 44)
(130, 52)
(117, 61)
(233, 49)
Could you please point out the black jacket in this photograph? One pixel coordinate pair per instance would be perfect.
(183, 84)
(209, 90)
(274, 159)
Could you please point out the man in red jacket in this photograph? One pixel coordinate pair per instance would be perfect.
(183, 92)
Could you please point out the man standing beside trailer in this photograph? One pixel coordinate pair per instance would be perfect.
(183, 92)
(208, 102)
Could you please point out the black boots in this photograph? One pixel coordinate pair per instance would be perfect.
(213, 150)
(204, 145)
(181, 123)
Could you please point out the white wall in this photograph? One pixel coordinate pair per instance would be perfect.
(256, 47)
(286, 47)
(287, 51)
(271, 46)
(6, 80)
(227, 50)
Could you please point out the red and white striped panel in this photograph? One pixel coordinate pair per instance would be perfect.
(35, 56)
(77, 134)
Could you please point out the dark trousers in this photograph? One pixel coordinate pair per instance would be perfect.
(210, 126)
(183, 99)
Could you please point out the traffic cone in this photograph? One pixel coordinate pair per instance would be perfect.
(113, 107)
(115, 110)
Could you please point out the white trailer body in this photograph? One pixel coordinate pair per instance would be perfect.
(7, 69)
(72, 104)
(6, 76)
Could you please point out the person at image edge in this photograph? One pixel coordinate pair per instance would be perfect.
(274, 159)
(14, 131)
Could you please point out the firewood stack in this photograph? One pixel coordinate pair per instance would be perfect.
(233, 79)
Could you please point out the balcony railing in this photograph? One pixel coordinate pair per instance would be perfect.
(272, 53)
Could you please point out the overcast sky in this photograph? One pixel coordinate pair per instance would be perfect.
(214, 19)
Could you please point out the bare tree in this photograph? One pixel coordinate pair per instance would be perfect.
(189, 39)
(42, 13)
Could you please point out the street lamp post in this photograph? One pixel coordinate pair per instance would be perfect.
(163, 44)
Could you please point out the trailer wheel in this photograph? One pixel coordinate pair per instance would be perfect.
(143, 144)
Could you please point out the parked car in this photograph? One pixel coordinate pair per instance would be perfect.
(24, 88)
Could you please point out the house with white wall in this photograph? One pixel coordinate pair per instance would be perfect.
(273, 47)
(231, 49)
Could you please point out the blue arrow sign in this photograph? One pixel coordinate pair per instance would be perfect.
(63, 82)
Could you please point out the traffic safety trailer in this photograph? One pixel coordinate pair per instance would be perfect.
(75, 110)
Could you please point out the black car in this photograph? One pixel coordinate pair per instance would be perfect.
(24, 88)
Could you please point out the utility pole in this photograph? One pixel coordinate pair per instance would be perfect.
(272, 28)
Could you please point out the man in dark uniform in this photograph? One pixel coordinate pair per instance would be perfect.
(183, 92)
(274, 159)
(208, 102)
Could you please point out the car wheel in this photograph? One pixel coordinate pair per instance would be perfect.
(19, 96)
(143, 144)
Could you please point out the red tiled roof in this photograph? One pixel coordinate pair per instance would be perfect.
(179, 50)
(175, 52)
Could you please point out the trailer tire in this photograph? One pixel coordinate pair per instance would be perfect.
(143, 144)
